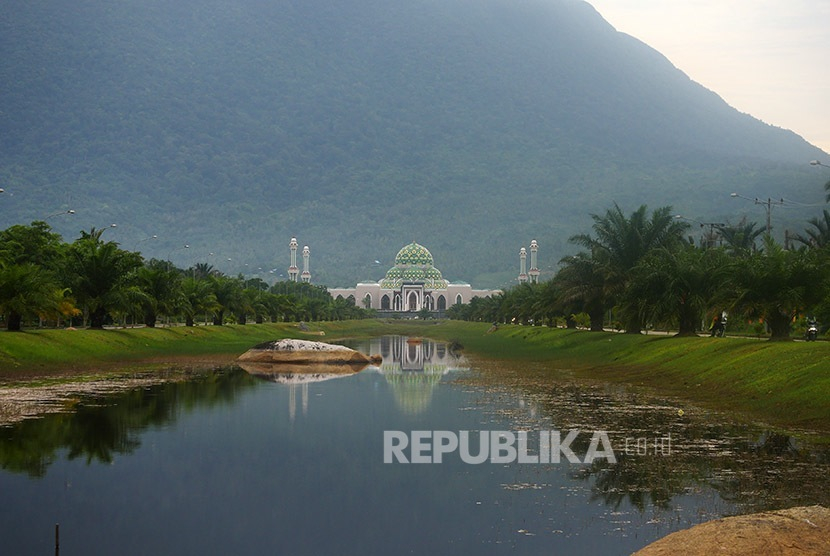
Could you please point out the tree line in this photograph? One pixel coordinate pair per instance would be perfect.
(93, 282)
(640, 270)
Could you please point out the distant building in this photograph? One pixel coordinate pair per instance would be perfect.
(293, 270)
(411, 285)
(533, 274)
(522, 266)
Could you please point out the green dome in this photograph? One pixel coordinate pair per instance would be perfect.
(414, 254)
(414, 275)
(413, 264)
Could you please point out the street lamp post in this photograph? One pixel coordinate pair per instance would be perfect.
(70, 211)
(769, 203)
(185, 246)
(140, 241)
(818, 163)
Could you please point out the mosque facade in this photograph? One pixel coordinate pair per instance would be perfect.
(411, 285)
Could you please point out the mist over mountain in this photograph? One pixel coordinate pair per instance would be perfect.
(469, 126)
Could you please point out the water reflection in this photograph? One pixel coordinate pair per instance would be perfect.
(298, 377)
(666, 449)
(296, 467)
(96, 428)
(413, 367)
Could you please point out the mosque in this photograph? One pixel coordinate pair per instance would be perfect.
(413, 283)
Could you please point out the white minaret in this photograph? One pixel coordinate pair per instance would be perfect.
(306, 275)
(293, 270)
(522, 265)
(534, 267)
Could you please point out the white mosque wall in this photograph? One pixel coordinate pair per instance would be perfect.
(454, 294)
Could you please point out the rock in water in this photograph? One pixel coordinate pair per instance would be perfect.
(304, 352)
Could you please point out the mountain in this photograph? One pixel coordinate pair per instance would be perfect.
(469, 126)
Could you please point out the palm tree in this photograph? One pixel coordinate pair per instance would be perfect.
(581, 282)
(777, 285)
(819, 236)
(228, 293)
(199, 299)
(29, 289)
(251, 302)
(547, 303)
(620, 242)
(280, 307)
(678, 285)
(161, 289)
(740, 238)
(202, 270)
(97, 272)
(519, 303)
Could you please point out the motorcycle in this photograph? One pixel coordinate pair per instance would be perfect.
(812, 331)
(719, 327)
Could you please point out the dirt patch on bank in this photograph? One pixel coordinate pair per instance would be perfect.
(802, 531)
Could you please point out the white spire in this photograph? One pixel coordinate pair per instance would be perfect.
(306, 275)
(292, 269)
(534, 267)
(522, 265)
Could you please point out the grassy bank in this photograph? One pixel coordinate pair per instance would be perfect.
(783, 383)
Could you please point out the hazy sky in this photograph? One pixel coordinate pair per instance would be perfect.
(767, 58)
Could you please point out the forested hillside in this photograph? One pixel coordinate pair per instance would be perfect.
(469, 126)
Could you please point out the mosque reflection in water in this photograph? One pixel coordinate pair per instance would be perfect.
(413, 367)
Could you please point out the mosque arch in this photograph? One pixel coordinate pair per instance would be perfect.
(385, 303)
(442, 303)
(458, 299)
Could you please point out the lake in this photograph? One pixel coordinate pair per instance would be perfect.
(229, 463)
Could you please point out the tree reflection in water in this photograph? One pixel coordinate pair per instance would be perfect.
(99, 427)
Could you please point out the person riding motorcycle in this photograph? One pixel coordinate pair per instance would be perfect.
(812, 329)
(718, 327)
